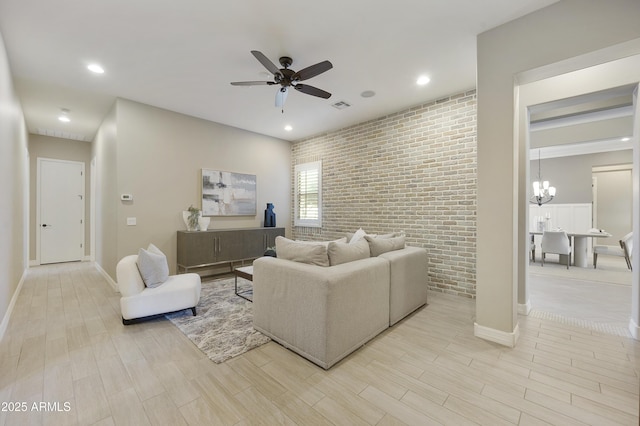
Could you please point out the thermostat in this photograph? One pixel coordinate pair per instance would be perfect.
(126, 197)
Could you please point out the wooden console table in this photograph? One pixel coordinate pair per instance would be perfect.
(202, 249)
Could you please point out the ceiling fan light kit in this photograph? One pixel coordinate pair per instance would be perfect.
(286, 77)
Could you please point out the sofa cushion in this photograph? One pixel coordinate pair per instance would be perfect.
(176, 293)
(408, 281)
(302, 251)
(347, 252)
(153, 266)
(323, 314)
(377, 246)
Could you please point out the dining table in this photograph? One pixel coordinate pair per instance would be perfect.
(579, 244)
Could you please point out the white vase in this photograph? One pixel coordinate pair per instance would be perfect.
(203, 222)
(185, 217)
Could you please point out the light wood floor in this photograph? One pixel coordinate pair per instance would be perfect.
(66, 344)
(599, 299)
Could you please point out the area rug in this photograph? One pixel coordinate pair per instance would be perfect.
(223, 326)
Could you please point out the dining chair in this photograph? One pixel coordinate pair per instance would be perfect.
(532, 248)
(625, 250)
(556, 242)
(627, 245)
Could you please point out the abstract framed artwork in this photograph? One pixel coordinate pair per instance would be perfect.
(228, 193)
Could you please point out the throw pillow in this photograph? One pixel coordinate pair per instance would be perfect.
(386, 236)
(383, 245)
(347, 252)
(153, 266)
(324, 243)
(357, 236)
(303, 252)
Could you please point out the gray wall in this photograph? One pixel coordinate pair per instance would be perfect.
(572, 175)
(614, 208)
(157, 155)
(14, 190)
(104, 155)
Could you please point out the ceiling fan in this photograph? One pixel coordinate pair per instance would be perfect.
(286, 77)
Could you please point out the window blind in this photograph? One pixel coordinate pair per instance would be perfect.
(308, 194)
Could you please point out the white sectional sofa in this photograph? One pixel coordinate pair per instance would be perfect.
(332, 298)
(407, 281)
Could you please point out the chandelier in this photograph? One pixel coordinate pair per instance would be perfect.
(542, 192)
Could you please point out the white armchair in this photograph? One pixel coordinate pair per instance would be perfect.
(139, 302)
(625, 250)
(556, 242)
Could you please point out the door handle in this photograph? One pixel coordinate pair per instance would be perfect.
(44, 225)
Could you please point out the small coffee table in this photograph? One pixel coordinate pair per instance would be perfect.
(245, 272)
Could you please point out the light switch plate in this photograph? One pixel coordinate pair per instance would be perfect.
(131, 221)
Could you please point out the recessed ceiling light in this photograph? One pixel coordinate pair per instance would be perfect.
(95, 68)
(368, 94)
(288, 128)
(422, 80)
(64, 115)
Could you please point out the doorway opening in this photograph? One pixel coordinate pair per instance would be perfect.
(588, 154)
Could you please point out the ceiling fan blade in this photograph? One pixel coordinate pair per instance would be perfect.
(273, 69)
(312, 71)
(313, 91)
(252, 83)
(281, 96)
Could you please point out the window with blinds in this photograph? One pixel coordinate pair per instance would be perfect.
(308, 194)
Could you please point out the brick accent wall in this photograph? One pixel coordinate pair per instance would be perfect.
(412, 171)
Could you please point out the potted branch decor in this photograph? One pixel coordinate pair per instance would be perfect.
(190, 217)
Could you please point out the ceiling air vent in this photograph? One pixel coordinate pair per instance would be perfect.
(341, 105)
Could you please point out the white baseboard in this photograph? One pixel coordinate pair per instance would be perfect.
(634, 329)
(106, 276)
(7, 316)
(524, 309)
(36, 262)
(502, 337)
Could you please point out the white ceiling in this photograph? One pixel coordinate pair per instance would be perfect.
(182, 55)
(587, 124)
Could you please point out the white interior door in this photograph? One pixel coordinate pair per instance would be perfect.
(60, 210)
(613, 205)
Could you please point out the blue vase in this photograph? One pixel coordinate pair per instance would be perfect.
(269, 217)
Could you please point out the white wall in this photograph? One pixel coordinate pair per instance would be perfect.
(14, 190)
(157, 155)
(104, 152)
